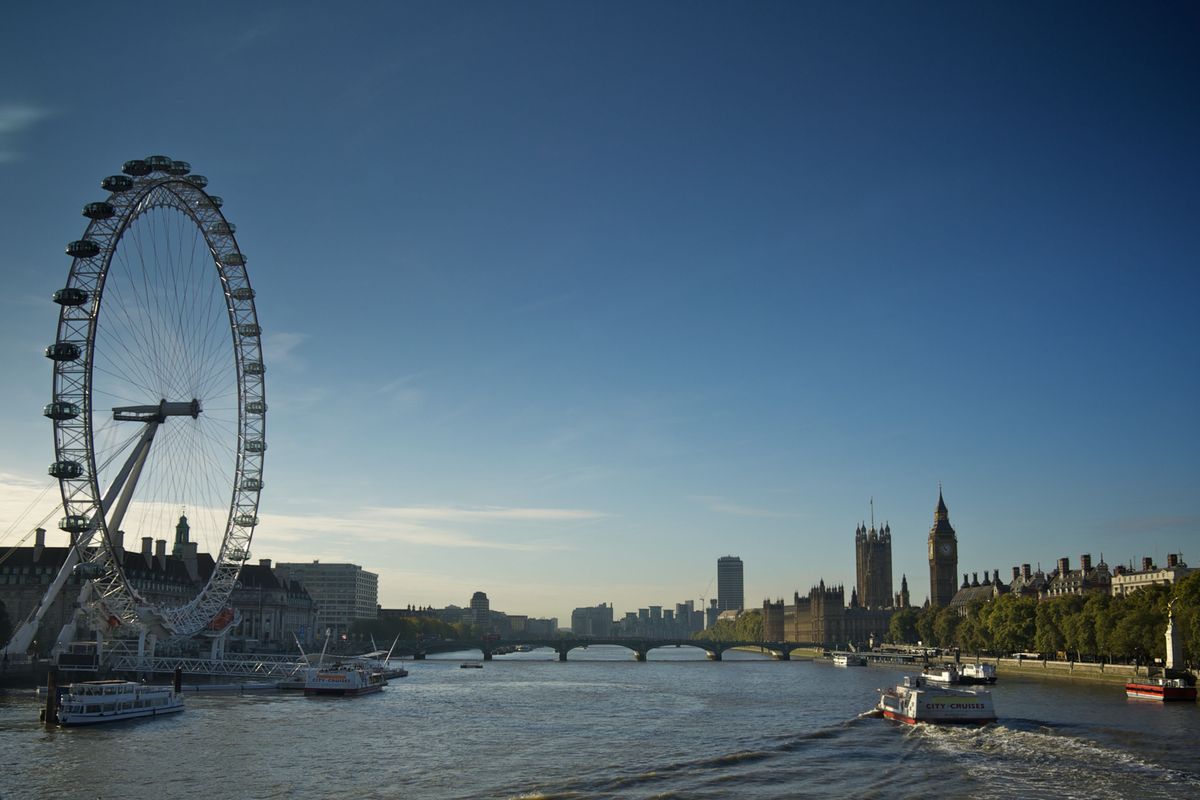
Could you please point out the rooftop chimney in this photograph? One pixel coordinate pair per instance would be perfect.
(1085, 562)
(1147, 563)
(264, 562)
(1064, 566)
(188, 553)
(160, 553)
(147, 545)
(1026, 572)
(996, 577)
(1016, 573)
(1172, 559)
(117, 538)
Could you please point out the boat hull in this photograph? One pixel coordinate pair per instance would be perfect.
(1152, 691)
(74, 720)
(342, 692)
(896, 716)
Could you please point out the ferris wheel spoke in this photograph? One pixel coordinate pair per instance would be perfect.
(173, 321)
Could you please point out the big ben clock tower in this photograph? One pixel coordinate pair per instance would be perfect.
(943, 557)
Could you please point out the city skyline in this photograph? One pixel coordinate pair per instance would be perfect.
(564, 303)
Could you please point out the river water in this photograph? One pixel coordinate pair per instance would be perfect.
(604, 726)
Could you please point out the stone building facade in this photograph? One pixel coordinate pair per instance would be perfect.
(822, 617)
(265, 599)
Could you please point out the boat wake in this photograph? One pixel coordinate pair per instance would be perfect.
(1026, 757)
(709, 776)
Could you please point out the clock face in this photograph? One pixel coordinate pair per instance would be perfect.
(944, 548)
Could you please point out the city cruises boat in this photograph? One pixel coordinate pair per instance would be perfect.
(977, 673)
(945, 674)
(94, 702)
(848, 660)
(1162, 689)
(915, 700)
(343, 680)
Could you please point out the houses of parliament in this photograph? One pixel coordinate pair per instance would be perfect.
(824, 615)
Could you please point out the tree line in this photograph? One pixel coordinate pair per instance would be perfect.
(748, 627)
(1092, 627)
(385, 630)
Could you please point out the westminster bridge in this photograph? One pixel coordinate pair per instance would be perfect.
(780, 651)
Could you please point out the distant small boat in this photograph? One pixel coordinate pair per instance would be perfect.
(1163, 690)
(849, 660)
(470, 665)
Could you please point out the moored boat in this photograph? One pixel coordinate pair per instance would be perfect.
(849, 660)
(915, 700)
(1162, 689)
(95, 702)
(946, 674)
(343, 680)
(977, 673)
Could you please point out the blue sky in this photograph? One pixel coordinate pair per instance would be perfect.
(564, 301)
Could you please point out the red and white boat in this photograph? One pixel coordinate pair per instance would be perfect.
(1162, 689)
(343, 680)
(915, 700)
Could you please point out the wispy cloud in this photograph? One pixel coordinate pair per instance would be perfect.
(400, 393)
(487, 514)
(720, 505)
(25, 503)
(425, 526)
(278, 347)
(16, 119)
(1156, 523)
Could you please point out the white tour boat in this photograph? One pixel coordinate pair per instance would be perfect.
(848, 660)
(977, 673)
(93, 702)
(915, 701)
(945, 674)
(343, 680)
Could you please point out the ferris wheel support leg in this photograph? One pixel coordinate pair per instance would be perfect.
(146, 644)
(122, 485)
(67, 634)
(127, 480)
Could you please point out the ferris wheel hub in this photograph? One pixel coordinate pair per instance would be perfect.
(158, 413)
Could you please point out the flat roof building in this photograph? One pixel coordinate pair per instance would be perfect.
(730, 586)
(343, 593)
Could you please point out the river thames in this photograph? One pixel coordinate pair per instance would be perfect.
(604, 726)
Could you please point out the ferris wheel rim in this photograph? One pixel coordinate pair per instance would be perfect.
(155, 183)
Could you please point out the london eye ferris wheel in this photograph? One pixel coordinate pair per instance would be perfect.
(158, 402)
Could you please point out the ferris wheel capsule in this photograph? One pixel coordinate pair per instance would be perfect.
(137, 346)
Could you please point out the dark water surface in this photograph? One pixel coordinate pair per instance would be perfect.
(604, 726)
